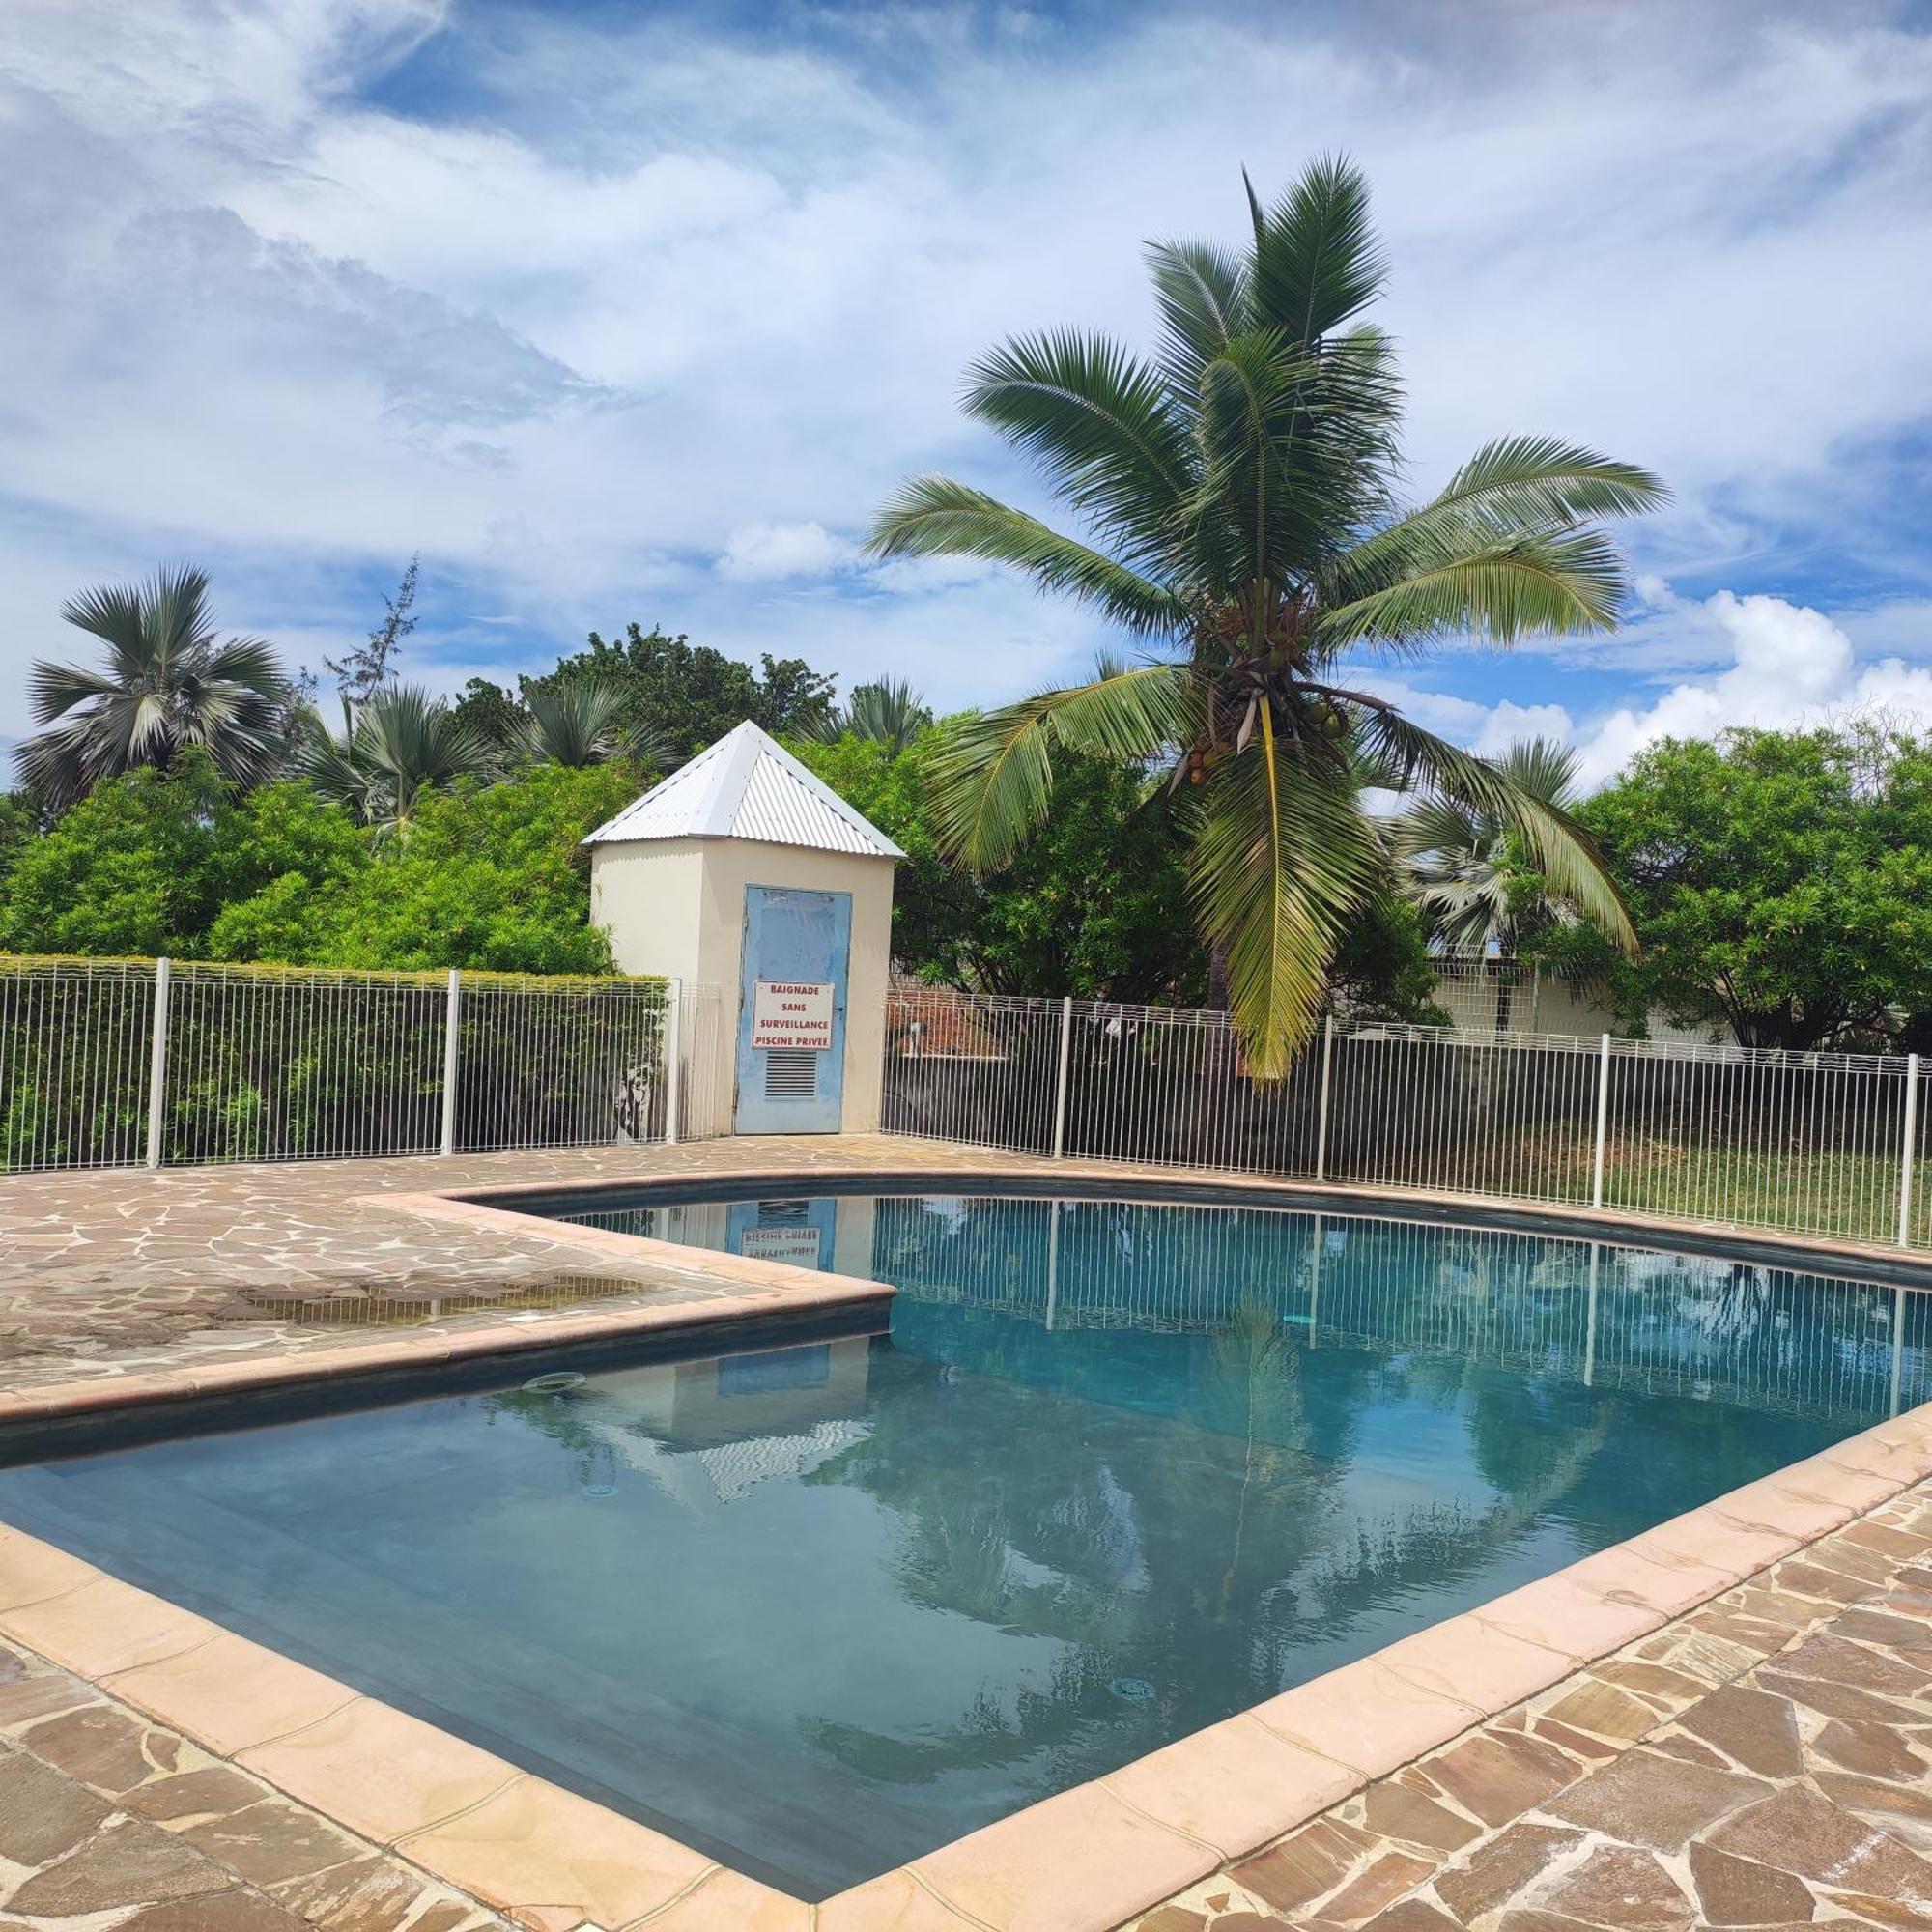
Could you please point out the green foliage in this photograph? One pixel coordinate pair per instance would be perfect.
(126, 870)
(1780, 882)
(1240, 496)
(19, 822)
(887, 709)
(490, 876)
(677, 696)
(1095, 906)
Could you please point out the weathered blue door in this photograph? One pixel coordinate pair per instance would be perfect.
(791, 1015)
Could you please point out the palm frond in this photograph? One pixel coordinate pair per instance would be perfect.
(991, 780)
(1282, 860)
(886, 711)
(1536, 584)
(1557, 847)
(933, 516)
(1317, 260)
(1101, 425)
(1202, 293)
(1522, 486)
(577, 722)
(167, 682)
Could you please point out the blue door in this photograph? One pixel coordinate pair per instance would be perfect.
(791, 1012)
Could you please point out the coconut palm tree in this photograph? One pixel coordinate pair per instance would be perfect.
(886, 711)
(580, 721)
(1463, 867)
(169, 681)
(1239, 496)
(392, 748)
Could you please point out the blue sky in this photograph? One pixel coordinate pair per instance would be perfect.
(622, 311)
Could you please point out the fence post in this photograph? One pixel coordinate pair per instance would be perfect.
(1603, 1119)
(1322, 1117)
(157, 1063)
(452, 1018)
(673, 1054)
(1909, 1158)
(1059, 1084)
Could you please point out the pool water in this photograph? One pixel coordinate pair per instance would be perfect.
(1117, 1471)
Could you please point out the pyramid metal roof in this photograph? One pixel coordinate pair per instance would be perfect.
(747, 785)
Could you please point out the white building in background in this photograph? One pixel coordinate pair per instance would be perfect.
(744, 872)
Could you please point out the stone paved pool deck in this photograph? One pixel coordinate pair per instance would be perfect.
(1764, 1759)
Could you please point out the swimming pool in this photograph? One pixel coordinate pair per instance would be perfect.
(1116, 1471)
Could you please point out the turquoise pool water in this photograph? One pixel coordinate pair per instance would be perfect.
(1114, 1472)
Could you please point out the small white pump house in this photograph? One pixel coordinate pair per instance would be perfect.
(743, 871)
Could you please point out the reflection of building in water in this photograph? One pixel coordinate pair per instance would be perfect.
(709, 1432)
(1580, 1311)
(825, 1232)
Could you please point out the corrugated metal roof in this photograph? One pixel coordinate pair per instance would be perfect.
(747, 785)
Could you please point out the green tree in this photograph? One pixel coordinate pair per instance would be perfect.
(887, 710)
(394, 748)
(1780, 882)
(491, 876)
(1095, 906)
(146, 863)
(169, 682)
(580, 722)
(18, 823)
(1240, 494)
(678, 696)
(1465, 868)
(363, 671)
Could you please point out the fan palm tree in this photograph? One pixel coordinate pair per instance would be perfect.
(1239, 492)
(1460, 863)
(579, 722)
(392, 748)
(1464, 867)
(888, 712)
(169, 682)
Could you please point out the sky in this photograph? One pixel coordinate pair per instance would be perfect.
(616, 310)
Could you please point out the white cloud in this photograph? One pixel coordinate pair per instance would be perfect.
(1790, 668)
(1510, 722)
(761, 552)
(647, 295)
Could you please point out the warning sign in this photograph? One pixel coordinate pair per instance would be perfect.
(792, 1013)
(796, 1247)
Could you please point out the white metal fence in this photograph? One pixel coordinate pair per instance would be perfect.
(1826, 1144)
(113, 1063)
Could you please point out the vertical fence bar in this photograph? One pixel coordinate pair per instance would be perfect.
(452, 1034)
(1059, 1084)
(157, 1064)
(1603, 1119)
(1322, 1106)
(1909, 1158)
(673, 1056)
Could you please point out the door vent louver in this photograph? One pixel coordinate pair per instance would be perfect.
(791, 1073)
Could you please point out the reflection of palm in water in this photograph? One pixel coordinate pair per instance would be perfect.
(1181, 1492)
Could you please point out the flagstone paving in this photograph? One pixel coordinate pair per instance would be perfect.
(112, 1822)
(1764, 1762)
(109, 1270)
